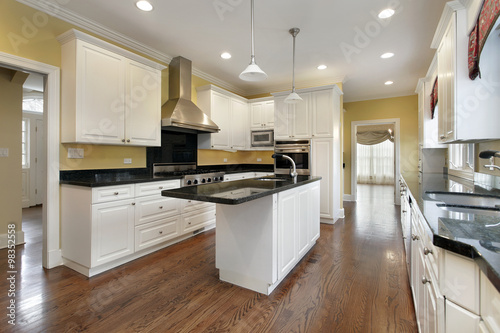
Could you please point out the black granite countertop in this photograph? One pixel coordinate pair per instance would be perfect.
(475, 236)
(110, 177)
(238, 191)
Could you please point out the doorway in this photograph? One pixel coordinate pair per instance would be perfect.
(51, 252)
(395, 123)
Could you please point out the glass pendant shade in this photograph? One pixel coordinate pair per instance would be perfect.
(253, 71)
(293, 98)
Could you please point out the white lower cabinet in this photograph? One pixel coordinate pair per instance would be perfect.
(459, 320)
(112, 225)
(112, 231)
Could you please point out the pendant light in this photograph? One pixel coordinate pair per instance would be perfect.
(253, 71)
(293, 98)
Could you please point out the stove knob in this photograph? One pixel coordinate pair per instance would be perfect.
(189, 182)
(216, 179)
(203, 180)
(209, 180)
(195, 181)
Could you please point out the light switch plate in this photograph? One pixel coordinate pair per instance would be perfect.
(225, 160)
(127, 161)
(75, 153)
(4, 152)
(259, 159)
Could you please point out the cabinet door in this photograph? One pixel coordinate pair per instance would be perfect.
(239, 129)
(281, 122)
(100, 99)
(314, 212)
(322, 165)
(322, 113)
(267, 115)
(256, 111)
(300, 118)
(460, 320)
(287, 232)
(112, 231)
(143, 101)
(221, 115)
(303, 239)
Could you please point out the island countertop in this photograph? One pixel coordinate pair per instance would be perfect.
(239, 191)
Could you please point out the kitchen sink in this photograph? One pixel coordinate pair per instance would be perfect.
(273, 179)
(465, 199)
(480, 210)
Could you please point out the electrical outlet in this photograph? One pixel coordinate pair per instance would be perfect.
(127, 161)
(259, 159)
(75, 153)
(225, 160)
(4, 152)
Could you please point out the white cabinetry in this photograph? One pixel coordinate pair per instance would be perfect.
(109, 95)
(112, 225)
(261, 114)
(229, 112)
(292, 121)
(322, 165)
(467, 109)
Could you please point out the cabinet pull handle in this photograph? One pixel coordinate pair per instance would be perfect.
(427, 251)
(404, 211)
(128, 140)
(116, 193)
(425, 280)
(161, 207)
(123, 140)
(161, 187)
(161, 232)
(442, 137)
(133, 203)
(414, 237)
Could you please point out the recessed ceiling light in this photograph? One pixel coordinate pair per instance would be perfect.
(225, 55)
(321, 67)
(144, 5)
(387, 55)
(388, 83)
(386, 13)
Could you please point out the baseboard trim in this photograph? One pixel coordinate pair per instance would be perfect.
(19, 239)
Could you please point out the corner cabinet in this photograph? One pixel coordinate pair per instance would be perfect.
(109, 95)
(229, 112)
(467, 109)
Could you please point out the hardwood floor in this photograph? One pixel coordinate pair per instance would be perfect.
(353, 280)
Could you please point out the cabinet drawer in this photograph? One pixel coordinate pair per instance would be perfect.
(153, 233)
(193, 205)
(198, 219)
(112, 193)
(152, 208)
(151, 188)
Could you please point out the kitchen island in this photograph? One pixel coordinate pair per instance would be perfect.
(264, 226)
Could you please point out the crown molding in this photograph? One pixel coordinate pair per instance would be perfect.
(298, 84)
(449, 9)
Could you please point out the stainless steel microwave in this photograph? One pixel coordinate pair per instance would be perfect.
(262, 138)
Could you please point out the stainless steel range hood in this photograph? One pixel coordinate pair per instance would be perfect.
(179, 112)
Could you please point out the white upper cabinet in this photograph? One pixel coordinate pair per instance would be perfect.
(229, 112)
(312, 117)
(109, 95)
(467, 109)
(261, 115)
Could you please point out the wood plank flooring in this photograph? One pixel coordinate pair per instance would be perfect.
(353, 280)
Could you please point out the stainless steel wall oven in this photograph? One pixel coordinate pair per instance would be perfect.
(299, 151)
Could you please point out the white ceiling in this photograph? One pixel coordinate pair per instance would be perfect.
(202, 30)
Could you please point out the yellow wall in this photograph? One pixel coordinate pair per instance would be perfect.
(404, 108)
(216, 157)
(11, 92)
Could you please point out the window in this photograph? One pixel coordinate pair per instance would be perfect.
(25, 130)
(375, 163)
(461, 160)
(34, 104)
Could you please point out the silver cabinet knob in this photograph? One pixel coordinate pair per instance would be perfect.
(133, 203)
(116, 193)
(128, 140)
(427, 251)
(425, 280)
(161, 232)
(161, 187)
(414, 237)
(123, 140)
(161, 207)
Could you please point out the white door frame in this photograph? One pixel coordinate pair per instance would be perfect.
(51, 253)
(354, 154)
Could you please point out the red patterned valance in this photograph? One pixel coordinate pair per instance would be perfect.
(434, 97)
(487, 18)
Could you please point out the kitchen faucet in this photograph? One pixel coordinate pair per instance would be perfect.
(491, 154)
(293, 172)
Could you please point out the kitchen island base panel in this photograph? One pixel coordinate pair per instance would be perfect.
(259, 242)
